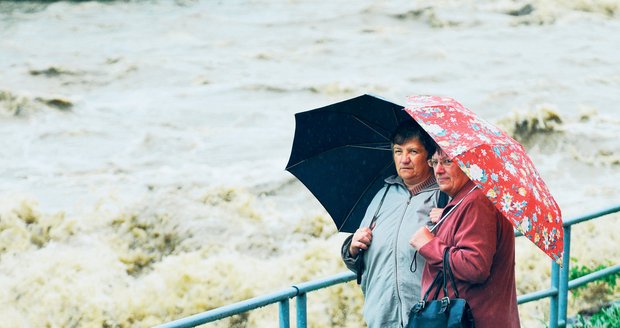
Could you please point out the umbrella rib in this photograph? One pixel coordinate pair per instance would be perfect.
(365, 190)
(396, 120)
(380, 146)
(490, 145)
(370, 127)
(360, 146)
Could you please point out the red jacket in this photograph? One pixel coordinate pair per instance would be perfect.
(482, 257)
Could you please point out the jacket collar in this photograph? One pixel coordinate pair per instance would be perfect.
(428, 184)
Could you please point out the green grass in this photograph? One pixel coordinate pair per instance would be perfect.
(608, 282)
(606, 318)
(597, 292)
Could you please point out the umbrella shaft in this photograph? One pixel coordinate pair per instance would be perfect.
(450, 211)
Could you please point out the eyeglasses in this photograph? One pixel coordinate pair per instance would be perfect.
(446, 162)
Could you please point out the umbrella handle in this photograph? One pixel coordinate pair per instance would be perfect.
(375, 217)
(360, 253)
(361, 268)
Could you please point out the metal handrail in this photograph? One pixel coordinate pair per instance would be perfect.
(232, 309)
(558, 292)
(282, 297)
(564, 281)
(593, 276)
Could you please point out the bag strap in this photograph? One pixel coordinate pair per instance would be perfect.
(362, 266)
(436, 283)
(448, 272)
(441, 279)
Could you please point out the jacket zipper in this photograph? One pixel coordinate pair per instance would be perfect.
(400, 302)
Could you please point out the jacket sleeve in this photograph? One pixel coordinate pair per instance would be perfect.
(352, 263)
(475, 243)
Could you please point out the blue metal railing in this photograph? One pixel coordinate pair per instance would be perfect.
(282, 297)
(558, 292)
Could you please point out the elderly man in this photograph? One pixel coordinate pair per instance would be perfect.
(481, 245)
(402, 206)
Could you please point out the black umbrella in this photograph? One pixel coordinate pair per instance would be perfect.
(341, 153)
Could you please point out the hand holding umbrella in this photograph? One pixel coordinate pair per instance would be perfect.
(421, 237)
(435, 215)
(362, 238)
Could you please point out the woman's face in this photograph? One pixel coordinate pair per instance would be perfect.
(410, 160)
(450, 178)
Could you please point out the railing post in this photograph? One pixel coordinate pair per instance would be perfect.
(553, 303)
(301, 311)
(285, 320)
(563, 292)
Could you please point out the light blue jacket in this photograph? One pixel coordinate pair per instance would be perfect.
(390, 288)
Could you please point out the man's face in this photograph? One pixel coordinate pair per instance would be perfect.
(450, 177)
(410, 159)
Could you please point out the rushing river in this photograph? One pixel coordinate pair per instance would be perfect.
(143, 143)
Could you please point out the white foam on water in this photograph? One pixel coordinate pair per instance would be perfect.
(143, 144)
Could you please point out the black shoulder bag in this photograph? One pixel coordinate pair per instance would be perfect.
(446, 312)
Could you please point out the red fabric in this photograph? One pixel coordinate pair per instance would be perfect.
(482, 257)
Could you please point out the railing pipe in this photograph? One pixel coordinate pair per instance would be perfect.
(591, 216)
(553, 301)
(537, 295)
(563, 296)
(309, 286)
(285, 318)
(304, 288)
(302, 321)
(231, 309)
(564, 271)
(593, 276)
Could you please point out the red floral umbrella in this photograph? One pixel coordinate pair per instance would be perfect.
(497, 164)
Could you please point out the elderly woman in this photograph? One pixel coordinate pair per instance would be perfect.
(397, 211)
(481, 244)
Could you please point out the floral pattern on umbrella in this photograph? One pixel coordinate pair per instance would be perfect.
(497, 164)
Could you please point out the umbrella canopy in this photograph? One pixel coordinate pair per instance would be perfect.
(497, 164)
(342, 154)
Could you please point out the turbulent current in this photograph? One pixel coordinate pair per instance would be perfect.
(143, 143)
